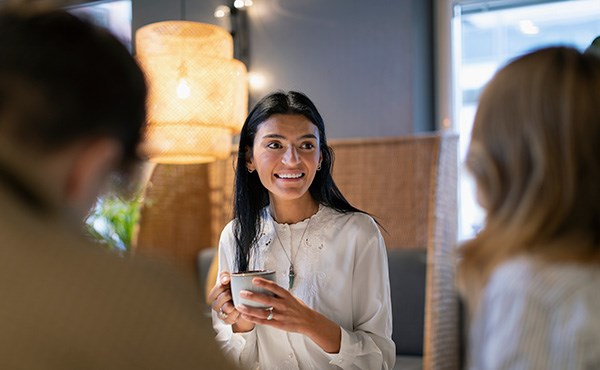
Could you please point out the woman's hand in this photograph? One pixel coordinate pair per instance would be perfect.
(222, 304)
(290, 314)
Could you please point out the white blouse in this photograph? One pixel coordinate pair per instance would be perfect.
(537, 315)
(341, 272)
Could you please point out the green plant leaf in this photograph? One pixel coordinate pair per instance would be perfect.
(113, 221)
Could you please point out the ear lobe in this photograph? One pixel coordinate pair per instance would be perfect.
(90, 171)
(249, 160)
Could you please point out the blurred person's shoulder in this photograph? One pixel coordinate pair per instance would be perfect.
(531, 276)
(67, 303)
(529, 301)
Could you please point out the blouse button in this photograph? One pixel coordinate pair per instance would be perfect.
(291, 355)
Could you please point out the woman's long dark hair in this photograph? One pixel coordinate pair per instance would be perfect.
(251, 196)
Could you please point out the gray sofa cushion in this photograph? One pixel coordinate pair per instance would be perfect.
(408, 363)
(407, 282)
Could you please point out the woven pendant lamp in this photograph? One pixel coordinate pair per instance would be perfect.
(198, 94)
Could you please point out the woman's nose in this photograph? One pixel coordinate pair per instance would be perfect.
(291, 156)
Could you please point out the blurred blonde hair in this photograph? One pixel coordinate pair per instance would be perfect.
(535, 156)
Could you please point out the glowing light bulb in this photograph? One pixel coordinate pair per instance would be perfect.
(239, 4)
(257, 80)
(183, 89)
(221, 11)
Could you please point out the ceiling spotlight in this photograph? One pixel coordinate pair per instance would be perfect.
(222, 11)
(257, 81)
(239, 4)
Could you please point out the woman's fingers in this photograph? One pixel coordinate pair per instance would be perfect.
(221, 285)
(255, 313)
(221, 300)
(261, 316)
(263, 299)
(285, 312)
(222, 303)
(224, 277)
(216, 291)
(225, 309)
(272, 317)
(280, 311)
(229, 317)
(272, 287)
(280, 298)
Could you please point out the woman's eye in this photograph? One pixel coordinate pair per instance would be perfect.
(274, 145)
(307, 146)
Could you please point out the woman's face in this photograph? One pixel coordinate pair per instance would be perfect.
(286, 156)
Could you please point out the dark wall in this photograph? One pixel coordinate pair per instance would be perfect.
(368, 65)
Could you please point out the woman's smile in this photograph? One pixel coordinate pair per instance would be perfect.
(289, 176)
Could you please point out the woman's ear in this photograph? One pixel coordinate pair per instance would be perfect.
(249, 160)
(320, 161)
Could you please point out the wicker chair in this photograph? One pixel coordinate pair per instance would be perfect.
(408, 183)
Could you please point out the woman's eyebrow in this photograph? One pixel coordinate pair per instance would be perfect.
(273, 136)
(277, 136)
(308, 136)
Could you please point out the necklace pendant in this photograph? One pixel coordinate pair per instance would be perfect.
(291, 276)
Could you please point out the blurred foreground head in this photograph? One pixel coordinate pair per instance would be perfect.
(72, 107)
(72, 104)
(534, 154)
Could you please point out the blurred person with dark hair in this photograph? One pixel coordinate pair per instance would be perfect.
(72, 111)
(531, 277)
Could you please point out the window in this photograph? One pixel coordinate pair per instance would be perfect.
(487, 34)
(112, 15)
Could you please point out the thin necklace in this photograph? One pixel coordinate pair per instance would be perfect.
(291, 272)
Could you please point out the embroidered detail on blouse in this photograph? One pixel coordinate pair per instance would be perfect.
(309, 279)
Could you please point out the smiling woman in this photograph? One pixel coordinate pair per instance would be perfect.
(286, 158)
(330, 304)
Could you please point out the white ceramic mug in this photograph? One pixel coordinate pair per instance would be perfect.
(243, 281)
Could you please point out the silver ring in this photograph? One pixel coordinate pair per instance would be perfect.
(270, 317)
(222, 314)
